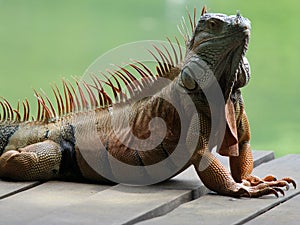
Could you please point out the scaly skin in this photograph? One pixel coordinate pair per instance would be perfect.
(79, 145)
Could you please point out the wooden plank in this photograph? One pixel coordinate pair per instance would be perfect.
(286, 213)
(28, 205)
(214, 209)
(118, 205)
(8, 188)
(128, 205)
(262, 157)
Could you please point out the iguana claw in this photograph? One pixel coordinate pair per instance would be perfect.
(279, 190)
(290, 181)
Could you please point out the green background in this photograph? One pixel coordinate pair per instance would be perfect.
(42, 41)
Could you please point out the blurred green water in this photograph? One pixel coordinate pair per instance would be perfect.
(43, 41)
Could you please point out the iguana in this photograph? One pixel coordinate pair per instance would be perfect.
(87, 136)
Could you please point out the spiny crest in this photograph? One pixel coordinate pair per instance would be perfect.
(83, 96)
(183, 27)
(10, 114)
(79, 95)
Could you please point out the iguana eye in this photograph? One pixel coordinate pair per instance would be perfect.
(187, 80)
(212, 24)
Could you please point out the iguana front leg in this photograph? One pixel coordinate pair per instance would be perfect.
(241, 166)
(215, 176)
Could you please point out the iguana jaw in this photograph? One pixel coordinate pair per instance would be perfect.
(227, 71)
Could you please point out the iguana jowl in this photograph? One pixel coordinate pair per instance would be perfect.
(60, 143)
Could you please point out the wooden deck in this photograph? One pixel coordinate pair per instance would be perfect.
(182, 200)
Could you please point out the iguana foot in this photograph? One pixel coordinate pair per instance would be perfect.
(257, 191)
(256, 187)
(270, 181)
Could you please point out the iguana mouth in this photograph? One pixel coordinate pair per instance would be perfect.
(246, 33)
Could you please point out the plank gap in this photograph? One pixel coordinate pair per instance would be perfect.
(35, 184)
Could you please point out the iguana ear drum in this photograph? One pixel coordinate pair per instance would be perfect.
(187, 81)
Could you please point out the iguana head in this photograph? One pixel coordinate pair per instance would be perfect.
(219, 41)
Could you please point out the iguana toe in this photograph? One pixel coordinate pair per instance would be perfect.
(270, 181)
(259, 191)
